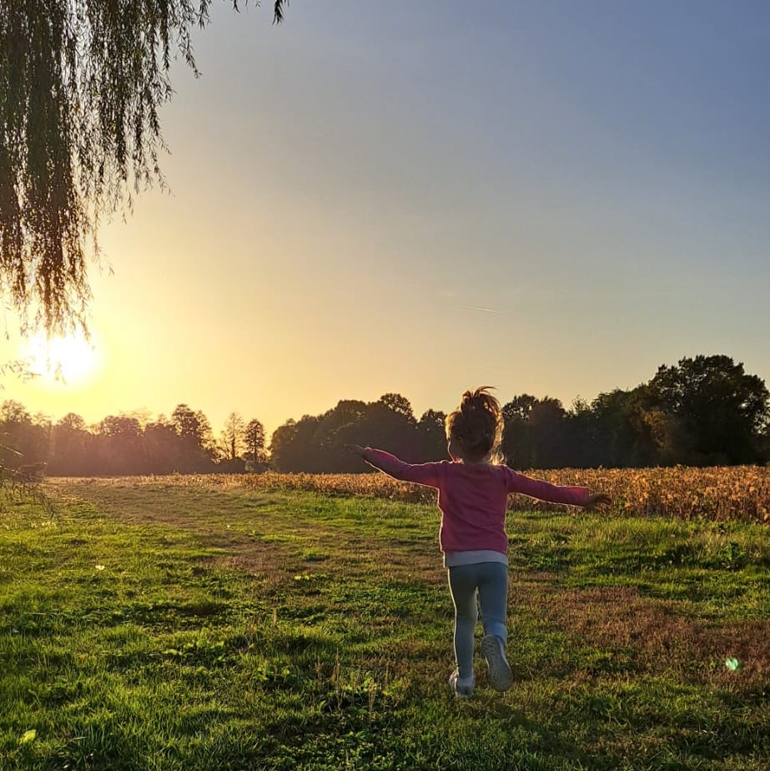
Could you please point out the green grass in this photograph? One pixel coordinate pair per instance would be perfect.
(164, 627)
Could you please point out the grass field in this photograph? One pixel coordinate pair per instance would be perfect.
(156, 625)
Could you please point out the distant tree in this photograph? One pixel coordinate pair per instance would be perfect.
(68, 454)
(399, 404)
(191, 424)
(319, 443)
(584, 441)
(12, 411)
(282, 446)
(549, 434)
(22, 441)
(254, 437)
(519, 408)
(516, 445)
(119, 447)
(668, 435)
(390, 424)
(233, 437)
(627, 430)
(432, 436)
(346, 412)
(142, 416)
(164, 449)
(81, 86)
(536, 433)
(337, 428)
(72, 422)
(293, 446)
(119, 425)
(721, 409)
(194, 430)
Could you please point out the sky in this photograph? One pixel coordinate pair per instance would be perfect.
(424, 197)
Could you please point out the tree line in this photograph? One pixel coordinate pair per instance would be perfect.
(128, 445)
(702, 411)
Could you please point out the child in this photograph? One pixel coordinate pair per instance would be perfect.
(472, 497)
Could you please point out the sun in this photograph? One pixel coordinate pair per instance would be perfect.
(65, 361)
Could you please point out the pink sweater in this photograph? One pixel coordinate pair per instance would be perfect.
(473, 497)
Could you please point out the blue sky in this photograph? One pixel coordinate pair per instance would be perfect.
(549, 197)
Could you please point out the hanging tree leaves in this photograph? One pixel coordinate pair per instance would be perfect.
(81, 84)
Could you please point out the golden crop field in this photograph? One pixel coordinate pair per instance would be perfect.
(715, 493)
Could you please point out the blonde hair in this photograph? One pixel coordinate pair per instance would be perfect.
(476, 425)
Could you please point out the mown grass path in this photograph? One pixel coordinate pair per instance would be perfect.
(159, 626)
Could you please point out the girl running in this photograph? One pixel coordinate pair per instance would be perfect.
(473, 490)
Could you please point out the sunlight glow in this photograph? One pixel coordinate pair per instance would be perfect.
(61, 361)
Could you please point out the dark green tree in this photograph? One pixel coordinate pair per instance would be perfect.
(432, 436)
(390, 425)
(337, 428)
(721, 409)
(81, 86)
(548, 434)
(197, 442)
(398, 404)
(294, 446)
(254, 437)
(516, 441)
(629, 431)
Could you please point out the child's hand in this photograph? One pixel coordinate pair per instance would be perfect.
(597, 499)
(356, 449)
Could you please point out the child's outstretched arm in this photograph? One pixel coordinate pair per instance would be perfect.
(545, 491)
(422, 473)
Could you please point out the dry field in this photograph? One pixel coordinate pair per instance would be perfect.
(737, 493)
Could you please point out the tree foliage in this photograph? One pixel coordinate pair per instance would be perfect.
(233, 437)
(318, 443)
(254, 438)
(717, 404)
(81, 85)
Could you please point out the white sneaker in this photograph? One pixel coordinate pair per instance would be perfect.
(500, 673)
(462, 686)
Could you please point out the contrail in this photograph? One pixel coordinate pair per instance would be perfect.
(477, 308)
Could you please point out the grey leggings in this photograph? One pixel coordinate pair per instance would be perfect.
(489, 582)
